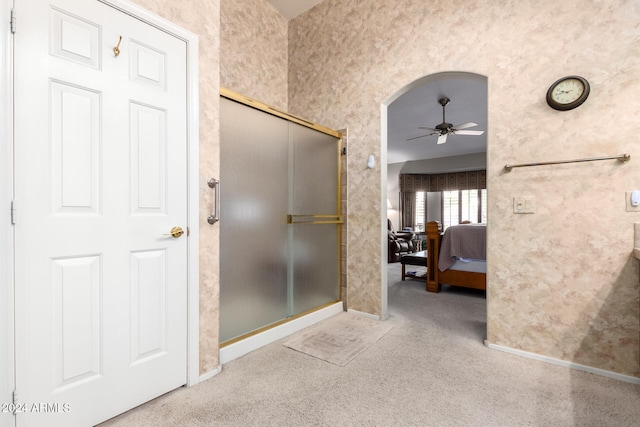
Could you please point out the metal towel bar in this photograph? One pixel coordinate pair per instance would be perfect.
(623, 158)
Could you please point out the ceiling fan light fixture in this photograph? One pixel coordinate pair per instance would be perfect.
(444, 128)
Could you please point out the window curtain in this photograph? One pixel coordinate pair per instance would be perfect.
(412, 183)
(408, 209)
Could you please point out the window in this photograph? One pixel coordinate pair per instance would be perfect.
(450, 208)
(457, 206)
(463, 205)
(420, 214)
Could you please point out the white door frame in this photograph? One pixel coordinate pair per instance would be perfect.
(7, 366)
(7, 342)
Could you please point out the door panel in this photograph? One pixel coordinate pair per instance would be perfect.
(149, 304)
(148, 160)
(76, 319)
(75, 145)
(100, 284)
(147, 65)
(75, 39)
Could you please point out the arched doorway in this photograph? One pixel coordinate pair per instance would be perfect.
(403, 150)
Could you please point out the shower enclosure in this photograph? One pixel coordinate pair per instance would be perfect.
(279, 217)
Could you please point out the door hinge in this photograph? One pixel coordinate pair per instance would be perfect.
(13, 21)
(13, 212)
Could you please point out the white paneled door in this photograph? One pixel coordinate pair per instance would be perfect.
(100, 182)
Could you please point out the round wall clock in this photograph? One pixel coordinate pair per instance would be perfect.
(568, 93)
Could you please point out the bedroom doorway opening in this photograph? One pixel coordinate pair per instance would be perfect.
(417, 154)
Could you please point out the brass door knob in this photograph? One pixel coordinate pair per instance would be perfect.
(175, 232)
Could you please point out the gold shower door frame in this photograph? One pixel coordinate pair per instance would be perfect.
(298, 219)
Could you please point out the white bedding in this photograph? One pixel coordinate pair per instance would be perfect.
(470, 264)
(465, 240)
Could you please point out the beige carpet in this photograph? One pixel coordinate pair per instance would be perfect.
(339, 339)
(430, 369)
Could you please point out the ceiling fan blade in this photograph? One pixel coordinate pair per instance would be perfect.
(416, 137)
(468, 132)
(442, 139)
(465, 125)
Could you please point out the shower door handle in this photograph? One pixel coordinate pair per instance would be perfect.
(314, 219)
(215, 216)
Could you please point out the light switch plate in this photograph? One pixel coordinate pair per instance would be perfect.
(524, 205)
(627, 196)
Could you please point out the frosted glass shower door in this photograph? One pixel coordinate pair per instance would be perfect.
(279, 219)
(254, 157)
(314, 232)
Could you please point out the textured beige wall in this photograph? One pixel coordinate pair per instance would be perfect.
(253, 51)
(202, 17)
(561, 282)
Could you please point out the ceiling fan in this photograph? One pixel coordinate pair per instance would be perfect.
(444, 128)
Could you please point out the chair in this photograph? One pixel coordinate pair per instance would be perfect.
(400, 242)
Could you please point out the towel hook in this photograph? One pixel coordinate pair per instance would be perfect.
(116, 50)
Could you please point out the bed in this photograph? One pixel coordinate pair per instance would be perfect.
(457, 257)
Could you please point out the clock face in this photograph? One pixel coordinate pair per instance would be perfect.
(568, 93)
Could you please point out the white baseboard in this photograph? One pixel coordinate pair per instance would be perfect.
(209, 374)
(240, 348)
(564, 363)
(363, 314)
